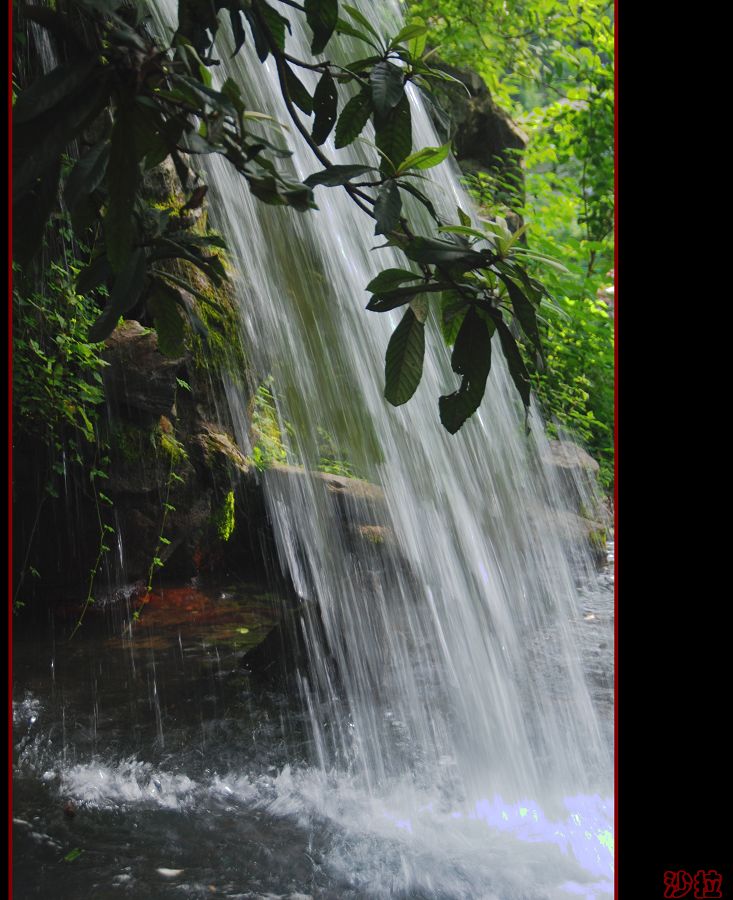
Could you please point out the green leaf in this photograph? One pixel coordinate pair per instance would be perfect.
(404, 359)
(343, 27)
(394, 134)
(163, 305)
(361, 19)
(542, 258)
(408, 33)
(524, 311)
(426, 158)
(463, 217)
(322, 16)
(73, 854)
(387, 208)
(391, 278)
(211, 266)
(433, 251)
(517, 369)
(124, 177)
(260, 38)
(471, 358)
(49, 90)
(124, 295)
(353, 118)
(465, 230)
(387, 300)
(453, 309)
(87, 174)
(275, 23)
(298, 94)
(32, 156)
(325, 104)
(388, 86)
(418, 194)
(336, 175)
(235, 17)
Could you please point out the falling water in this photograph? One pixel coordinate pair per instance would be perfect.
(455, 747)
(446, 666)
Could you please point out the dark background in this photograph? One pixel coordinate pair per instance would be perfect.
(674, 548)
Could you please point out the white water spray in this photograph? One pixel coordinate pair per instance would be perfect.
(461, 696)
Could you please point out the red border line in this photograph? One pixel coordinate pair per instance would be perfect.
(615, 461)
(10, 451)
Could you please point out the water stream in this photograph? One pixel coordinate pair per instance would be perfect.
(451, 737)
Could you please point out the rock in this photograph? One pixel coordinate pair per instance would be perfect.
(139, 380)
(483, 134)
(576, 473)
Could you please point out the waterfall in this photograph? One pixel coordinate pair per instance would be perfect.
(447, 668)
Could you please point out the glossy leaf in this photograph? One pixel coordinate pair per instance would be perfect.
(388, 300)
(388, 86)
(87, 174)
(524, 312)
(419, 195)
(433, 251)
(408, 33)
(276, 23)
(453, 309)
(298, 94)
(124, 295)
(361, 19)
(515, 363)
(51, 89)
(353, 118)
(404, 359)
(322, 16)
(426, 158)
(344, 27)
(336, 175)
(387, 208)
(235, 17)
(393, 135)
(124, 177)
(391, 278)
(325, 104)
(471, 358)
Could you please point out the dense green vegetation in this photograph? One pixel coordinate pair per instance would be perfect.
(120, 104)
(550, 65)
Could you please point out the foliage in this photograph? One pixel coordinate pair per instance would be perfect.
(551, 66)
(177, 456)
(58, 391)
(135, 103)
(57, 371)
(330, 459)
(268, 448)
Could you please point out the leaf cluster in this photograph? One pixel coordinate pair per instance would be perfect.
(132, 104)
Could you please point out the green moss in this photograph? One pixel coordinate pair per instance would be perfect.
(167, 442)
(330, 459)
(225, 521)
(127, 440)
(268, 449)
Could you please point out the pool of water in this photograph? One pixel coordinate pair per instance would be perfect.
(153, 764)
